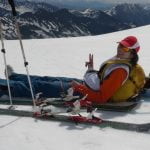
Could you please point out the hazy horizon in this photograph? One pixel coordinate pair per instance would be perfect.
(84, 4)
(102, 1)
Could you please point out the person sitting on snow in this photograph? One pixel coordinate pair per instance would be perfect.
(118, 79)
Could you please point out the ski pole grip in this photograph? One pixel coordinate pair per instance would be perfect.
(12, 4)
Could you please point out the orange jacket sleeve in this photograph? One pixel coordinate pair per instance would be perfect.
(107, 88)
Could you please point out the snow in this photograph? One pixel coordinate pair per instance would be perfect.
(66, 57)
(23, 9)
(35, 134)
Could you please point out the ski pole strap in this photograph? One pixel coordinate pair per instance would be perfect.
(12, 4)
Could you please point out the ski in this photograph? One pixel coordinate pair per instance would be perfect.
(76, 119)
(60, 102)
(119, 107)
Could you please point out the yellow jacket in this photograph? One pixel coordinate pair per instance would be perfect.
(133, 84)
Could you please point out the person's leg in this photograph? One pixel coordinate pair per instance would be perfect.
(51, 89)
(23, 77)
(18, 88)
(48, 89)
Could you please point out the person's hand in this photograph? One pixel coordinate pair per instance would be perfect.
(74, 84)
(89, 63)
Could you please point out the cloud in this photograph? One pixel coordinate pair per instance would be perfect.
(103, 1)
(109, 1)
(126, 1)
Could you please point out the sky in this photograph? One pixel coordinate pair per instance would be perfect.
(122, 1)
(109, 1)
(94, 4)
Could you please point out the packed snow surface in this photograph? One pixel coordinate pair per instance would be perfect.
(66, 57)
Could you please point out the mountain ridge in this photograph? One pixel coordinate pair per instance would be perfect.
(41, 20)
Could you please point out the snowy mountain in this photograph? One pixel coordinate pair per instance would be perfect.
(133, 14)
(66, 57)
(33, 7)
(27, 19)
(41, 20)
(77, 4)
(90, 13)
(26, 6)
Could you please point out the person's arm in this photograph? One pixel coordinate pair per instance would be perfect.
(107, 88)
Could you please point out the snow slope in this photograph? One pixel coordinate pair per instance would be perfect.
(66, 57)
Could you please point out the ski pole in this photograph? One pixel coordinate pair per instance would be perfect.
(12, 4)
(5, 62)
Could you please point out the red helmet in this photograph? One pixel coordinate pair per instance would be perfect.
(131, 42)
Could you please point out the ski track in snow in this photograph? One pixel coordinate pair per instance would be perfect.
(36, 134)
(66, 57)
